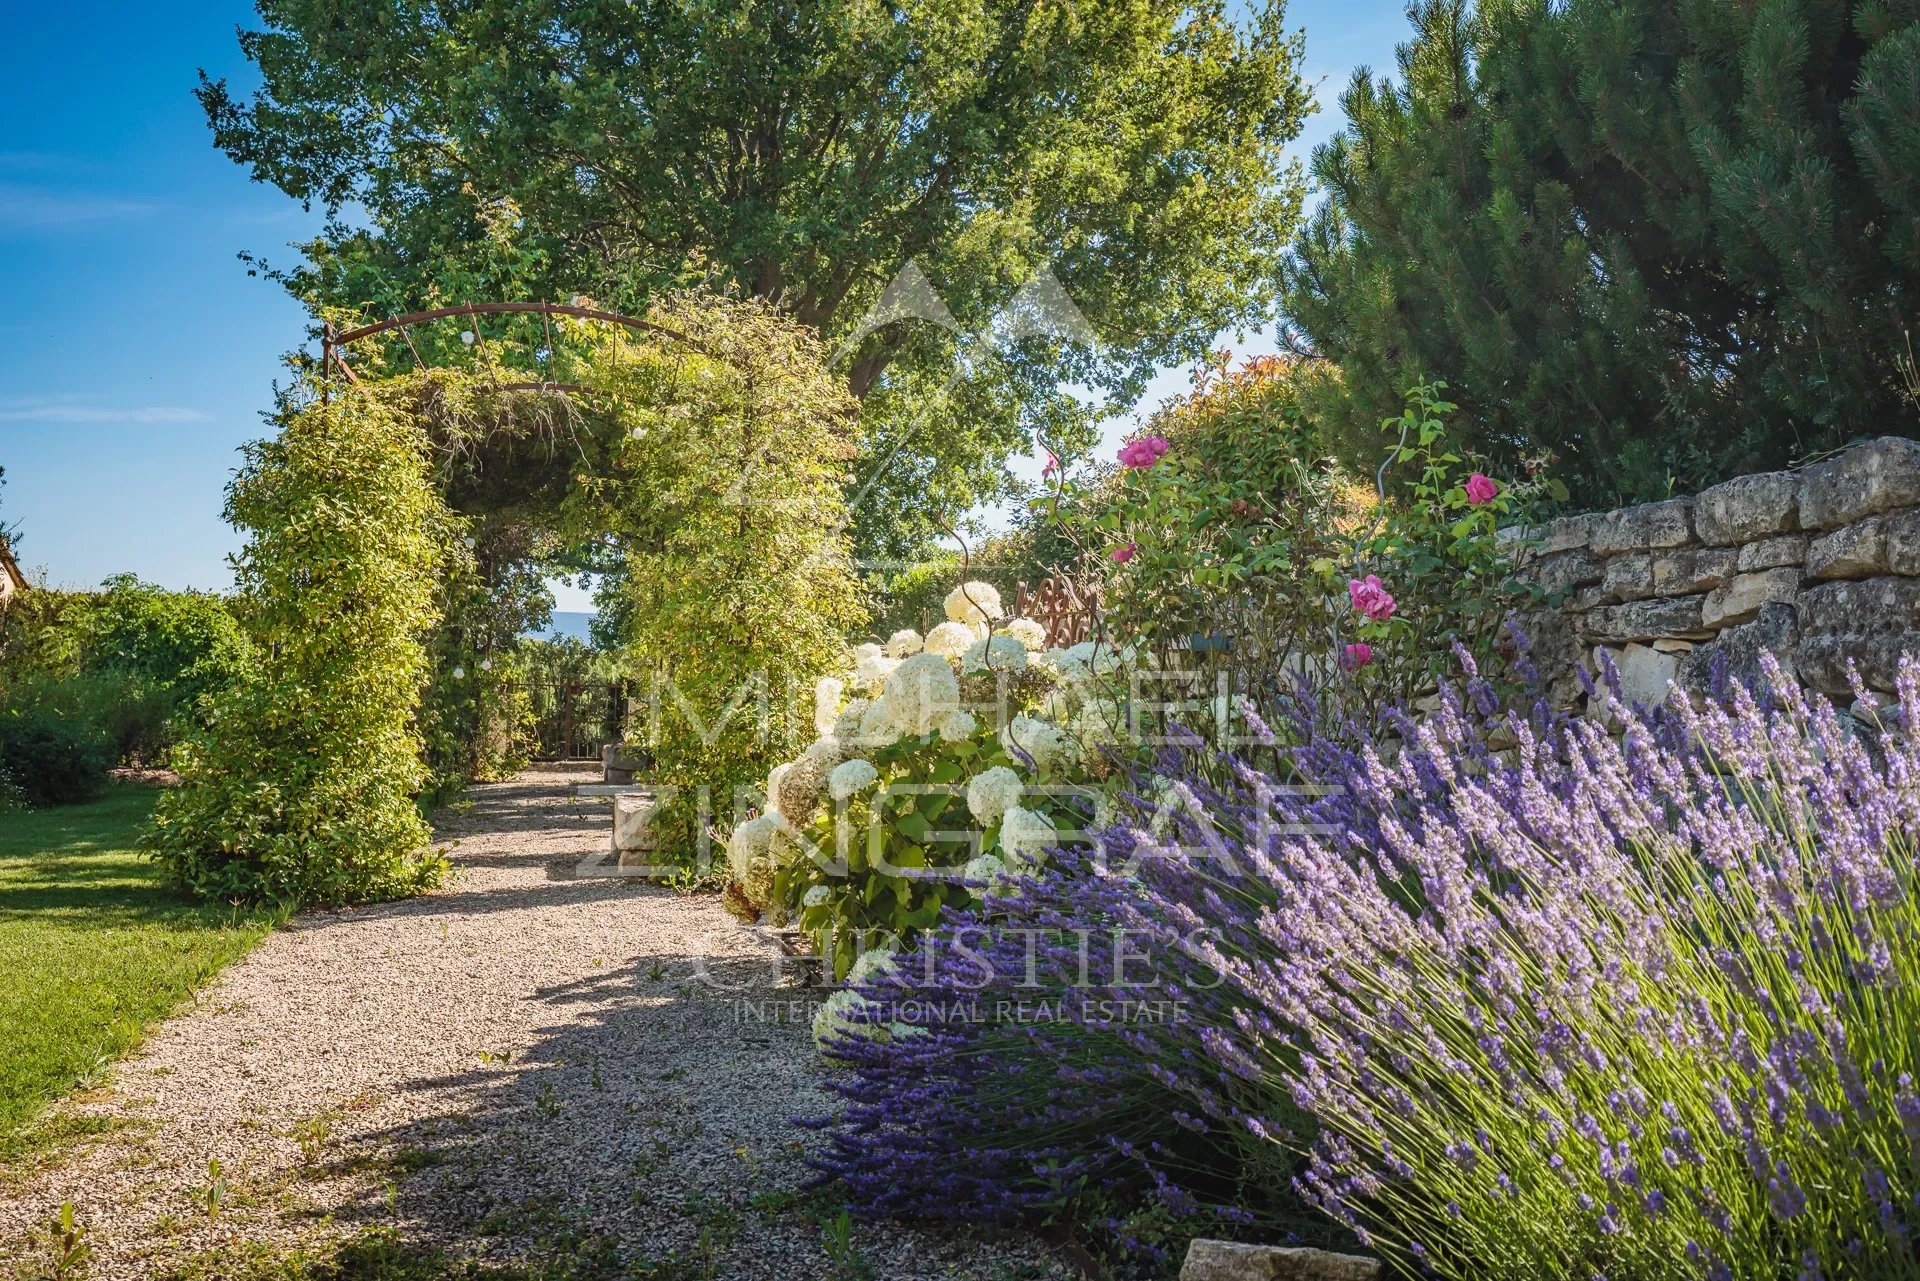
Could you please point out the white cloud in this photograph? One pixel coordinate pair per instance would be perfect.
(36, 209)
(68, 412)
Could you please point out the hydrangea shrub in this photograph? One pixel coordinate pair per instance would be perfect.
(935, 781)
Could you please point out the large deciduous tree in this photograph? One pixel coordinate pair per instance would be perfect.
(806, 151)
(1668, 240)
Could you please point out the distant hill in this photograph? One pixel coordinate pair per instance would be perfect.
(567, 622)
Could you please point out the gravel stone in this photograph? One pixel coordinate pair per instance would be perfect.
(529, 1050)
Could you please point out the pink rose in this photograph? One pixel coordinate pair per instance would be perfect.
(1371, 598)
(1143, 453)
(1358, 655)
(1482, 490)
(1121, 555)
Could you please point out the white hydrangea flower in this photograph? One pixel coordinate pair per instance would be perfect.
(797, 794)
(847, 728)
(904, 643)
(833, 1021)
(825, 751)
(1091, 658)
(949, 640)
(1025, 835)
(1063, 664)
(751, 843)
(1031, 635)
(922, 691)
(862, 652)
(1102, 723)
(881, 726)
(773, 784)
(990, 877)
(871, 966)
(956, 725)
(992, 793)
(815, 896)
(872, 671)
(1050, 746)
(826, 703)
(1057, 707)
(974, 603)
(850, 777)
(996, 653)
(983, 871)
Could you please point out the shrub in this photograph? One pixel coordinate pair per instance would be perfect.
(1015, 1063)
(186, 644)
(1282, 567)
(936, 779)
(134, 658)
(913, 598)
(300, 786)
(47, 758)
(725, 489)
(1613, 1006)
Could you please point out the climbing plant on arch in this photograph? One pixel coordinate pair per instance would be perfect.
(709, 445)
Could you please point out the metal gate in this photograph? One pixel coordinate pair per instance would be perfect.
(573, 720)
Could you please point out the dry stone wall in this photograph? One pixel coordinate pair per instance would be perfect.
(1819, 567)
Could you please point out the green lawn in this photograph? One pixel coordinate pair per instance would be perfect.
(93, 946)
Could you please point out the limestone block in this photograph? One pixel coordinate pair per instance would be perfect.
(1645, 673)
(1822, 660)
(1646, 620)
(1878, 476)
(633, 821)
(1903, 542)
(626, 758)
(1746, 508)
(1870, 622)
(1585, 599)
(1555, 653)
(1741, 599)
(1231, 1261)
(1772, 553)
(1629, 577)
(1852, 551)
(1680, 573)
(1564, 571)
(1891, 604)
(1733, 657)
(1644, 528)
(1521, 544)
(1570, 533)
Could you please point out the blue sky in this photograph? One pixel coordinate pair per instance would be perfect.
(136, 355)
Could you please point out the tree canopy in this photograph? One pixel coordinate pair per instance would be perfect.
(1667, 240)
(806, 152)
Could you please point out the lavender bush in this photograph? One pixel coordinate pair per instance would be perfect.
(1634, 1006)
(1037, 1059)
(1639, 1004)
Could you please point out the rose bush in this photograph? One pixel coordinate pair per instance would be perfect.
(1226, 546)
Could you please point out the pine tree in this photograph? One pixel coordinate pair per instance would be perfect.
(1665, 240)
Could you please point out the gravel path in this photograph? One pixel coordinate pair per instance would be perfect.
(524, 1066)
